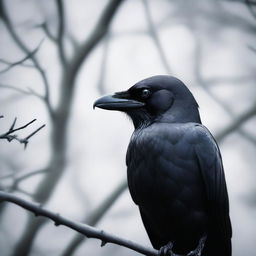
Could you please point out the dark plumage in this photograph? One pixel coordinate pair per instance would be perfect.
(174, 167)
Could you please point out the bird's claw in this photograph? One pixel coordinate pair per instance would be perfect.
(199, 249)
(166, 250)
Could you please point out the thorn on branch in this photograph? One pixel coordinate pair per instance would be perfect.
(37, 211)
(103, 243)
(57, 220)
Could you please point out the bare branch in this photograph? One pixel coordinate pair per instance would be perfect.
(83, 229)
(101, 81)
(10, 136)
(46, 30)
(60, 121)
(95, 216)
(72, 40)
(29, 175)
(12, 130)
(4, 16)
(29, 91)
(237, 123)
(9, 63)
(205, 86)
(16, 179)
(22, 191)
(25, 140)
(22, 177)
(240, 130)
(19, 62)
(99, 31)
(61, 28)
(153, 33)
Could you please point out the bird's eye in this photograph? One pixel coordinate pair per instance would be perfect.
(145, 93)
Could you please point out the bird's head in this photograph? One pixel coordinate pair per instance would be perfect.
(155, 99)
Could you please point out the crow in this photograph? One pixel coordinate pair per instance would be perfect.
(174, 169)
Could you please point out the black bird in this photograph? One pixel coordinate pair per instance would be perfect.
(174, 168)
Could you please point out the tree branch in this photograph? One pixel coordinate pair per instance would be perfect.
(29, 90)
(4, 16)
(83, 229)
(205, 86)
(236, 123)
(46, 30)
(95, 216)
(17, 180)
(57, 162)
(20, 62)
(61, 29)
(153, 33)
(83, 51)
(10, 136)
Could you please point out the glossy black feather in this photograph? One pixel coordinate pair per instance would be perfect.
(175, 175)
(174, 167)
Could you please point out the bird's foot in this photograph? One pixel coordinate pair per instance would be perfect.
(166, 250)
(199, 249)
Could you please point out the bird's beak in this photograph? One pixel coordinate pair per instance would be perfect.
(118, 101)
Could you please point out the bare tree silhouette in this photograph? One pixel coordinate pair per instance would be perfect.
(70, 63)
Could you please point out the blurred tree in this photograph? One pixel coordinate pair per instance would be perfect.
(209, 23)
(59, 115)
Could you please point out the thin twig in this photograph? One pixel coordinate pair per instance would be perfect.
(10, 136)
(20, 62)
(36, 131)
(84, 229)
(9, 63)
(17, 180)
(29, 175)
(236, 124)
(62, 117)
(153, 33)
(4, 16)
(25, 140)
(29, 90)
(12, 130)
(46, 30)
(82, 53)
(24, 192)
(61, 30)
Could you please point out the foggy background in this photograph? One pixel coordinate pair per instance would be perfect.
(76, 164)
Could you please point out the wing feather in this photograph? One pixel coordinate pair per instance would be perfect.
(211, 167)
